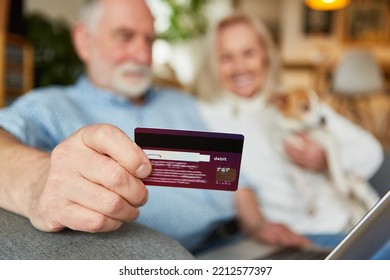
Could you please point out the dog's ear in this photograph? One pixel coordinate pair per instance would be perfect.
(278, 100)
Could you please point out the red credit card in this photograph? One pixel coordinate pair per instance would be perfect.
(191, 159)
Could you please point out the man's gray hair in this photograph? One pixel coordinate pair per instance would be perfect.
(89, 13)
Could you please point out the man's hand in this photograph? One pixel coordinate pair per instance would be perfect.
(92, 182)
(306, 153)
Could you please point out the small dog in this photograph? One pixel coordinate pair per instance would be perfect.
(298, 111)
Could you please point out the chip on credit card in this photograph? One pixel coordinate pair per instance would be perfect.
(191, 159)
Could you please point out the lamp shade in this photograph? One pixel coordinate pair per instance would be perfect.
(327, 5)
(357, 73)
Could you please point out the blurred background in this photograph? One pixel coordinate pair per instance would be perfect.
(344, 53)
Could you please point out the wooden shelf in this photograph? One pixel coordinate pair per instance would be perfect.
(16, 60)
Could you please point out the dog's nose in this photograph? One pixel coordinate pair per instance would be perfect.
(323, 120)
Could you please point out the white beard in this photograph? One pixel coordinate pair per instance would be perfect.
(131, 89)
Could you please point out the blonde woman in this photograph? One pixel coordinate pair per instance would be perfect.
(239, 71)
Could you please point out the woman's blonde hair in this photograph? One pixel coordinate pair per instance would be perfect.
(206, 84)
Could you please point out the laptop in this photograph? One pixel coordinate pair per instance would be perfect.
(361, 243)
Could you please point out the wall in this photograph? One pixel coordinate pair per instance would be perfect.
(67, 9)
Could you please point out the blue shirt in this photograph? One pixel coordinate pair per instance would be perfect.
(46, 116)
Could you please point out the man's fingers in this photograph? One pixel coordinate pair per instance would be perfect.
(110, 140)
(103, 170)
(77, 217)
(94, 183)
(102, 200)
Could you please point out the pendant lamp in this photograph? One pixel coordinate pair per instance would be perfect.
(327, 5)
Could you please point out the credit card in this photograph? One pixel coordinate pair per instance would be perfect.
(191, 159)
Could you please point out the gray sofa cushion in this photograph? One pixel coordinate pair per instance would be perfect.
(20, 240)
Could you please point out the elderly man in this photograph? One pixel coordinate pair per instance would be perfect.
(68, 163)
